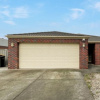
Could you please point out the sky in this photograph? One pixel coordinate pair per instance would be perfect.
(73, 16)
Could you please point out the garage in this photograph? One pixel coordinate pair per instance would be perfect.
(48, 55)
(48, 50)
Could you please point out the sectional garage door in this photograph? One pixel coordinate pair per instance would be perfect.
(41, 56)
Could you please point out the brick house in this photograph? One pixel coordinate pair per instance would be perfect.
(48, 50)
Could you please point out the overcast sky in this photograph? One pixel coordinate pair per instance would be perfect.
(74, 16)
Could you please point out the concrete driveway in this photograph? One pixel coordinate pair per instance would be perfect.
(43, 85)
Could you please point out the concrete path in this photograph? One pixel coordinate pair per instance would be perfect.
(43, 85)
(92, 69)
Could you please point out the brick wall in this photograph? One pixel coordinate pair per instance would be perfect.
(97, 54)
(84, 55)
(13, 52)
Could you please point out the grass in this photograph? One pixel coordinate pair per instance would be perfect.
(88, 78)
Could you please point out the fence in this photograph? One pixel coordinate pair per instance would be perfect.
(4, 52)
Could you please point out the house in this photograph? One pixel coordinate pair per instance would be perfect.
(4, 51)
(48, 50)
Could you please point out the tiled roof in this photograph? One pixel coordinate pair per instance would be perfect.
(94, 39)
(55, 34)
(52, 33)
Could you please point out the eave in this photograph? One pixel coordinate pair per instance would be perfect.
(53, 37)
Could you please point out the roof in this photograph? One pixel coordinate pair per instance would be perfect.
(94, 39)
(52, 33)
(3, 42)
(47, 34)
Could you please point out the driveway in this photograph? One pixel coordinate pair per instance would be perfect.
(43, 85)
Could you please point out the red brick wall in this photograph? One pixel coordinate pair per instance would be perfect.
(97, 54)
(84, 55)
(13, 52)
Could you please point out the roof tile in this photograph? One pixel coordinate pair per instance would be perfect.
(52, 33)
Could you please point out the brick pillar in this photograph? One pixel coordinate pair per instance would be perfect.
(12, 54)
(84, 55)
(97, 54)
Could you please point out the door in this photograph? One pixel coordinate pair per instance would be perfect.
(48, 56)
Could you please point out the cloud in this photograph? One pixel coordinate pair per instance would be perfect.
(6, 13)
(77, 13)
(9, 14)
(21, 12)
(97, 6)
(10, 22)
(94, 5)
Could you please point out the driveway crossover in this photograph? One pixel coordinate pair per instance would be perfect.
(43, 85)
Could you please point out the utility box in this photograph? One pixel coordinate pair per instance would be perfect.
(2, 61)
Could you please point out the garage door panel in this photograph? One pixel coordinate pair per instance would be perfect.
(51, 64)
(50, 59)
(48, 55)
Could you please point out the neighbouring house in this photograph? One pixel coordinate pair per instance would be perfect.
(3, 51)
(48, 50)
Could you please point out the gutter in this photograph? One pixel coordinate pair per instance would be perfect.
(56, 37)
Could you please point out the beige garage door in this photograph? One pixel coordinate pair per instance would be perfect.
(48, 56)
